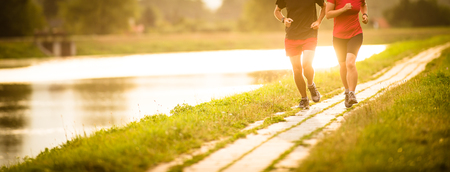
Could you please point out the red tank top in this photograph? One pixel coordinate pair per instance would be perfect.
(347, 24)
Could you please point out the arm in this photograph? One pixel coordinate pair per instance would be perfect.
(365, 12)
(279, 16)
(316, 24)
(332, 13)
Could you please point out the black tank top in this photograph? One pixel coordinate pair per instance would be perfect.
(304, 13)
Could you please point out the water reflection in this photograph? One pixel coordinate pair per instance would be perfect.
(9, 146)
(101, 98)
(13, 108)
(13, 104)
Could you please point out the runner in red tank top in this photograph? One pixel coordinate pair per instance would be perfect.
(347, 39)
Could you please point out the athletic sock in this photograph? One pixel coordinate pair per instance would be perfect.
(351, 92)
(311, 85)
(304, 98)
(346, 91)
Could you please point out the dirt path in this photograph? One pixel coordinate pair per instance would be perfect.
(257, 151)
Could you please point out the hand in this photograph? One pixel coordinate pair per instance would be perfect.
(288, 22)
(315, 25)
(348, 6)
(365, 19)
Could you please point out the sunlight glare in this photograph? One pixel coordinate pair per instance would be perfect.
(213, 4)
(192, 63)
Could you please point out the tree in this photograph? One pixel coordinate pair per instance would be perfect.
(149, 16)
(231, 9)
(50, 8)
(51, 12)
(176, 11)
(258, 16)
(98, 16)
(419, 13)
(20, 18)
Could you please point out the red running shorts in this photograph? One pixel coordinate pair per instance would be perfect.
(296, 47)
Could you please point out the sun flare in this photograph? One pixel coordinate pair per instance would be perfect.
(213, 4)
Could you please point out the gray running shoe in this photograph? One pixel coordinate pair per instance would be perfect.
(315, 95)
(346, 101)
(304, 103)
(352, 98)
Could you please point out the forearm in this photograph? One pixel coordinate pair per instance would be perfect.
(278, 15)
(364, 9)
(334, 13)
(322, 14)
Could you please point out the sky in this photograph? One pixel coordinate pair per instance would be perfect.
(213, 4)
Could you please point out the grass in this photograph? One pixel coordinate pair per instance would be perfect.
(405, 129)
(161, 43)
(141, 145)
(19, 50)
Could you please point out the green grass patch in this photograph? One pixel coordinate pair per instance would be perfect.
(405, 129)
(187, 42)
(19, 50)
(164, 43)
(141, 145)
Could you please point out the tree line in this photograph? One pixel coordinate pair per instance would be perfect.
(25, 17)
(421, 13)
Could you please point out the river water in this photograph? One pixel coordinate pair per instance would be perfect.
(45, 104)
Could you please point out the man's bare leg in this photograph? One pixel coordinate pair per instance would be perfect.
(298, 75)
(308, 56)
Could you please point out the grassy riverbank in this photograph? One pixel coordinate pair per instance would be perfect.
(160, 43)
(155, 139)
(19, 50)
(186, 42)
(405, 129)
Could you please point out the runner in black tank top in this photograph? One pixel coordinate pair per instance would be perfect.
(301, 24)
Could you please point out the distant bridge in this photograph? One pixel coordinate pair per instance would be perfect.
(55, 43)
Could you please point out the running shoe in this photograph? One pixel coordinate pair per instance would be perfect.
(346, 100)
(315, 95)
(352, 98)
(304, 103)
